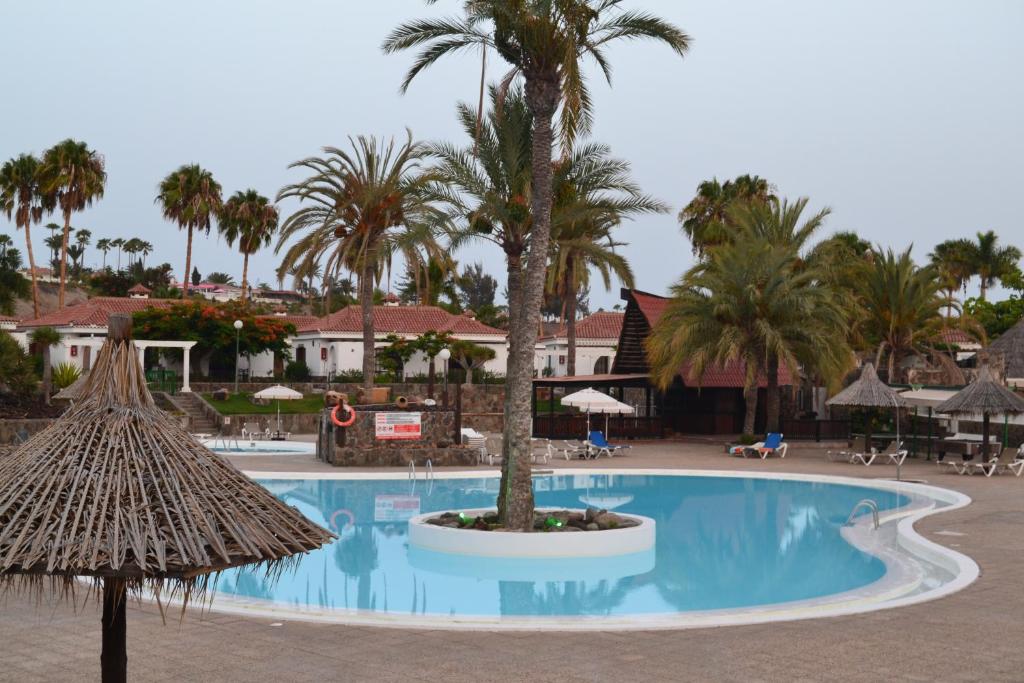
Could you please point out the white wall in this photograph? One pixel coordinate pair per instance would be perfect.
(346, 355)
(586, 357)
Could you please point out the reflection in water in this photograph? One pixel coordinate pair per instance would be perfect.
(721, 542)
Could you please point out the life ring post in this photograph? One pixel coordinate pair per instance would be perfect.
(348, 421)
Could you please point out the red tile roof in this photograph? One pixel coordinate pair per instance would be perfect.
(950, 335)
(651, 305)
(8, 319)
(600, 325)
(299, 321)
(401, 320)
(140, 289)
(94, 312)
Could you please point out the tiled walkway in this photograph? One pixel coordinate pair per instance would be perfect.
(975, 635)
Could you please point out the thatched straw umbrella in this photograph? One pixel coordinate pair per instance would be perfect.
(986, 396)
(117, 492)
(869, 392)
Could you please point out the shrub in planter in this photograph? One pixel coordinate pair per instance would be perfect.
(297, 371)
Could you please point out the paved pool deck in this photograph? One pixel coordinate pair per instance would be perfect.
(974, 635)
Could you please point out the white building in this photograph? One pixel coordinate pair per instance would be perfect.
(597, 337)
(334, 344)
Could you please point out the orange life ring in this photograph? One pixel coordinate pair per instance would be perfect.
(347, 513)
(351, 416)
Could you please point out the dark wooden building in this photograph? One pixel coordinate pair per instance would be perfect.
(712, 405)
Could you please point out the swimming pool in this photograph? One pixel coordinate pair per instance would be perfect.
(238, 446)
(730, 548)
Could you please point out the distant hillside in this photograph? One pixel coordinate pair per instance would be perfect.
(48, 300)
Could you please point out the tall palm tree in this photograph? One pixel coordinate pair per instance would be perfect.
(706, 220)
(362, 206)
(990, 261)
(190, 197)
(593, 195)
(544, 43)
(22, 199)
(754, 302)
(132, 247)
(104, 245)
(72, 177)
(250, 218)
(145, 248)
(904, 307)
(952, 261)
(119, 243)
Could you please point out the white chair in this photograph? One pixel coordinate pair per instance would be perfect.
(252, 431)
(540, 449)
(574, 448)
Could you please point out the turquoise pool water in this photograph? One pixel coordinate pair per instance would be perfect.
(722, 542)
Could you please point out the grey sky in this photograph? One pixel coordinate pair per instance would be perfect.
(904, 117)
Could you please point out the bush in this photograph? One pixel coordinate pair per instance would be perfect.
(297, 371)
(65, 374)
(17, 374)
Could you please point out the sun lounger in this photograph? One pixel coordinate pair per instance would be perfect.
(492, 450)
(540, 449)
(950, 465)
(995, 464)
(252, 431)
(772, 445)
(893, 455)
(740, 451)
(572, 448)
(846, 454)
(598, 444)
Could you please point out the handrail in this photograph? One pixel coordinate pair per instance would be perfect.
(412, 470)
(430, 469)
(868, 503)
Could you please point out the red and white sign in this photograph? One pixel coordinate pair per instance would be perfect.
(395, 508)
(398, 425)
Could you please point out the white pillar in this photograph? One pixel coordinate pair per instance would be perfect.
(185, 388)
(142, 356)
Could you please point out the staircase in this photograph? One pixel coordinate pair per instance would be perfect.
(192, 406)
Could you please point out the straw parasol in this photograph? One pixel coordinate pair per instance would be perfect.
(869, 392)
(986, 396)
(117, 492)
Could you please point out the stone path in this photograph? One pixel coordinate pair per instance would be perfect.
(974, 635)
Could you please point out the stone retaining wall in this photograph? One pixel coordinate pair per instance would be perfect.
(358, 445)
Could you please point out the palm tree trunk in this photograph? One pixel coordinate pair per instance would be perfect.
(245, 275)
(514, 275)
(750, 409)
(188, 264)
(570, 333)
(772, 399)
(366, 303)
(104, 259)
(64, 259)
(983, 289)
(32, 269)
(47, 375)
(542, 98)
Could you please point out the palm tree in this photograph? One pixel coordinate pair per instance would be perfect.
(53, 243)
(119, 243)
(83, 238)
(21, 198)
(904, 309)
(952, 263)
(706, 220)
(250, 218)
(593, 195)
(132, 247)
(75, 253)
(990, 261)
(363, 206)
(71, 176)
(190, 197)
(754, 302)
(145, 248)
(44, 338)
(104, 245)
(545, 43)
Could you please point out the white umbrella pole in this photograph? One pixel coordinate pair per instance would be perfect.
(279, 415)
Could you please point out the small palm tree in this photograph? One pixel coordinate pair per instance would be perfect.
(104, 245)
(83, 238)
(545, 43)
(22, 199)
(252, 219)
(706, 220)
(990, 261)
(119, 244)
(44, 338)
(190, 197)
(72, 176)
(362, 206)
(953, 265)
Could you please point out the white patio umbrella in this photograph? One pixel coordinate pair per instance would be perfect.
(590, 400)
(278, 393)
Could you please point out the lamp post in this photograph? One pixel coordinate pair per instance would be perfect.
(238, 332)
(444, 354)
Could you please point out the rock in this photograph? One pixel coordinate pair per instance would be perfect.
(627, 523)
(221, 394)
(452, 525)
(592, 527)
(608, 520)
(436, 521)
(575, 517)
(570, 528)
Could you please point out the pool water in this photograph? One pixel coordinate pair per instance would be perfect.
(721, 542)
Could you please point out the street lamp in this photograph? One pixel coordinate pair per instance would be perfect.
(238, 332)
(444, 355)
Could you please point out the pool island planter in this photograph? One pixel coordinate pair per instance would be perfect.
(531, 545)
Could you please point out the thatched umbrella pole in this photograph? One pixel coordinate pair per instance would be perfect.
(984, 436)
(114, 655)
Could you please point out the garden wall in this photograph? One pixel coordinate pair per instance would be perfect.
(360, 446)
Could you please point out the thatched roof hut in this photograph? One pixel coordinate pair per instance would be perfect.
(869, 392)
(1009, 347)
(986, 397)
(117, 490)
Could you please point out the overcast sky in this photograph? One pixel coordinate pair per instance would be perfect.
(904, 117)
